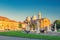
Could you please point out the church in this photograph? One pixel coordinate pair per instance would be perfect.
(38, 23)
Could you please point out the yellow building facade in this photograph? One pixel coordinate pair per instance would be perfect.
(44, 22)
(7, 24)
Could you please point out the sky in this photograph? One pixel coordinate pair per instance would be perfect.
(19, 9)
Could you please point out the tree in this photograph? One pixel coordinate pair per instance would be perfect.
(33, 26)
(57, 22)
(20, 25)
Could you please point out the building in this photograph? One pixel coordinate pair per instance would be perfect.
(8, 25)
(44, 23)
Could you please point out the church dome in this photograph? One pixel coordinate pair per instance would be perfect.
(28, 18)
(34, 17)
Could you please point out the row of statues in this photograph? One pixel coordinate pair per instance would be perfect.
(37, 30)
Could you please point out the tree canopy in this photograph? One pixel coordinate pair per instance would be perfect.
(20, 25)
(57, 22)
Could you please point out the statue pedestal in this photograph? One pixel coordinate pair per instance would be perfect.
(37, 32)
(48, 29)
(55, 30)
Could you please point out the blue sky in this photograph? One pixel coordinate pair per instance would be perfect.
(19, 9)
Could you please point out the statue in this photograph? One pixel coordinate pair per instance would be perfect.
(38, 29)
(55, 29)
(27, 29)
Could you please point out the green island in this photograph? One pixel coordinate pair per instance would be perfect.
(25, 35)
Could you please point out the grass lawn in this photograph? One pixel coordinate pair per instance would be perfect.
(21, 34)
(58, 30)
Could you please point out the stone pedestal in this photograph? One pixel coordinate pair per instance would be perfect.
(48, 28)
(28, 28)
(55, 30)
(38, 28)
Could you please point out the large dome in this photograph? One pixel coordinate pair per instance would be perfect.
(34, 17)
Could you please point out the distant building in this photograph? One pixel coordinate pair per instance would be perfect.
(8, 25)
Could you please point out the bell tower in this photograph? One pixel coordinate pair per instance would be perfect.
(39, 15)
(34, 17)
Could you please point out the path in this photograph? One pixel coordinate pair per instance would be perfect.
(16, 38)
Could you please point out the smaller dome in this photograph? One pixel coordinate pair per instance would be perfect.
(34, 17)
(28, 18)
